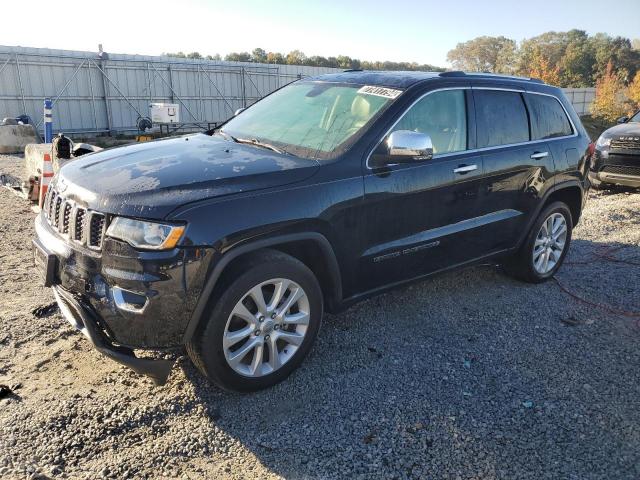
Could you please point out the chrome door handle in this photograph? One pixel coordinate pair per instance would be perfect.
(539, 155)
(465, 168)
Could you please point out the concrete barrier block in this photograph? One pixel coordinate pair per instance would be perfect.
(14, 138)
(33, 155)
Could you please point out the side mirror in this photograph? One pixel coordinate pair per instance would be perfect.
(239, 111)
(623, 119)
(405, 146)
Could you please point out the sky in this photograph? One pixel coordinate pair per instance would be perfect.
(397, 30)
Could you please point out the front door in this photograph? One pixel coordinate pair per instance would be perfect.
(420, 217)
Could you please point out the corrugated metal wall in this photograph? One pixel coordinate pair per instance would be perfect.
(93, 95)
(581, 98)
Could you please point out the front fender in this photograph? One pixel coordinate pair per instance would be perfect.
(224, 259)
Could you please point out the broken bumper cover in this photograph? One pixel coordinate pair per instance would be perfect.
(81, 317)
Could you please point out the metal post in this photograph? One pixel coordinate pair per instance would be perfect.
(149, 82)
(244, 93)
(170, 82)
(93, 98)
(105, 86)
(201, 102)
(48, 125)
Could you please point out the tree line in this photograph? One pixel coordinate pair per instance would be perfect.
(565, 59)
(297, 57)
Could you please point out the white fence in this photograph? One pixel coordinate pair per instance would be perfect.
(93, 94)
(581, 98)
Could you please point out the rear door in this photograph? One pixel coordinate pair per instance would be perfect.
(516, 169)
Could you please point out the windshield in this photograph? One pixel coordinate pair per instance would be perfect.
(311, 119)
(635, 118)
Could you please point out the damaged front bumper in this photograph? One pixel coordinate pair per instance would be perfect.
(80, 316)
(120, 298)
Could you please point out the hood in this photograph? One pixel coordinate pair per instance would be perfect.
(631, 128)
(150, 180)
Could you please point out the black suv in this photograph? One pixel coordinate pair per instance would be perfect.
(233, 242)
(616, 159)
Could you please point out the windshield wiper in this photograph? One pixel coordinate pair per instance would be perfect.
(257, 143)
(252, 141)
(226, 135)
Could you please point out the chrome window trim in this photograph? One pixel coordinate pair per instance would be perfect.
(483, 149)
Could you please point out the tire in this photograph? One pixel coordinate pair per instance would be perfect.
(216, 360)
(522, 266)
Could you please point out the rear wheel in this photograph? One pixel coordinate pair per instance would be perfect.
(262, 326)
(545, 247)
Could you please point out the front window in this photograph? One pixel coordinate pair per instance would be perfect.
(443, 116)
(635, 118)
(317, 120)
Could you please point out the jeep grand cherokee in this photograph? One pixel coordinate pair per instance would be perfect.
(233, 242)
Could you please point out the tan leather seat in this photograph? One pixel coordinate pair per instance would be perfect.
(361, 112)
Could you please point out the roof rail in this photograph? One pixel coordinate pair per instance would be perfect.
(352, 70)
(452, 73)
(459, 73)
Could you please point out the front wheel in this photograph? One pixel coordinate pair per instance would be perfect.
(545, 247)
(262, 326)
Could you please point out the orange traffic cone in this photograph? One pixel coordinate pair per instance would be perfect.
(47, 173)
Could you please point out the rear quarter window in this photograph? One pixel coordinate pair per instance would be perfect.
(501, 118)
(548, 118)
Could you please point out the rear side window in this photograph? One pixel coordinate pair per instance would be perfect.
(548, 118)
(501, 118)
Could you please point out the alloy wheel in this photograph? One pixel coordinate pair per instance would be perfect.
(550, 243)
(266, 327)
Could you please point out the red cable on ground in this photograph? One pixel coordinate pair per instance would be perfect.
(603, 252)
(624, 313)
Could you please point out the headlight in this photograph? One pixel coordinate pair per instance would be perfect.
(603, 141)
(150, 235)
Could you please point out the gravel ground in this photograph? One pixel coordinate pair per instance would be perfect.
(468, 375)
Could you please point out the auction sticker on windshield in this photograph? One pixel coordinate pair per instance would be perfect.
(380, 91)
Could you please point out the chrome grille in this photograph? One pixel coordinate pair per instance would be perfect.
(79, 224)
(56, 216)
(96, 228)
(50, 203)
(625, 143)
(66, 214)
(83, 226)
